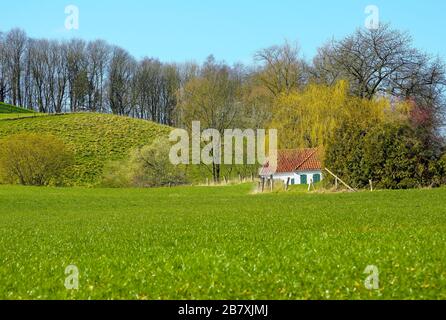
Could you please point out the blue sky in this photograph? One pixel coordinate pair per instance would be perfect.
(232, 30)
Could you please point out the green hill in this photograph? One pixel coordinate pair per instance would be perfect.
(7, 108)
(8, 111)
(95, 138)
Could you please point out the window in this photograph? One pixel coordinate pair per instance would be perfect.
(303, 179)
(316, 178)
(293, 182)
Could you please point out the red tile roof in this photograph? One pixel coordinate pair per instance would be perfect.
(295, 161)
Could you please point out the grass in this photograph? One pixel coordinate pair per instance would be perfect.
(221, 243)
(14, 116)
(10, 112)
(94, 138)
(7, 108)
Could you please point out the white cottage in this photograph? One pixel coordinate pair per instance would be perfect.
(300, 166)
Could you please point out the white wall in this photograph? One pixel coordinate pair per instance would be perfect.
(297, 176)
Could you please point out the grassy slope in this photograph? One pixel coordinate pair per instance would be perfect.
(14, 116)
(95, 138)
(8, 111)
(221, 243)
(7, 108)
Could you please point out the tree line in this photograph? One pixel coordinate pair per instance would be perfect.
(69, 76)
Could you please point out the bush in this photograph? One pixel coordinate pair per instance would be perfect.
(117, 174)
(442, 166)
(344, 155)
(31, 159)
(393, 157)
(390, 154)
(146, 167)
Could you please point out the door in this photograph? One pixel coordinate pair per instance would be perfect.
(316, 178)
(303, 179)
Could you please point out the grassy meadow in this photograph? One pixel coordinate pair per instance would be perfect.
(221, 243)
(95, 139)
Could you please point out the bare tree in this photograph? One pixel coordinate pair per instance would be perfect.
(282, 69)
(120, 78)
(4, 80)
(172, 82)
(16, 41)
(76, 64)
(98, 55)
(148, 83)
(214, 99)
(383, 62)
(380, 61)
(39, 50)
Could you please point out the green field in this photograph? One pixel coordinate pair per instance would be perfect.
(94, 138)
(221, 243)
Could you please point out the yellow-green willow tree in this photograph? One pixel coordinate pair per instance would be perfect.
(308, 117)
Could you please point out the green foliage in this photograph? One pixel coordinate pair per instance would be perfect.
(390, 154)
(148, 166)
(95, 139)
(221, 243)
(308, 117)
(442, 169)
(31, 159)
(117, 174)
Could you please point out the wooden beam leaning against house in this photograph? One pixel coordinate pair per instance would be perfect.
(340, 180)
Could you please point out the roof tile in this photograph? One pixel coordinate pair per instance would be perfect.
(295, 161)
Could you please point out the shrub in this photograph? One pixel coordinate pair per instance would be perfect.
(344, 155)
(390, 154)
(393, 157)
(148, 166)
(31, 159)
(442, 166)
(117, 174)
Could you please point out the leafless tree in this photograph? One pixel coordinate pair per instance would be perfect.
(214, 99)
(171, 86)
(120, 77)
(282, 69)
(98, 55)
(15, 46)
(4, 80)
(380, 61)
(76, 64)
